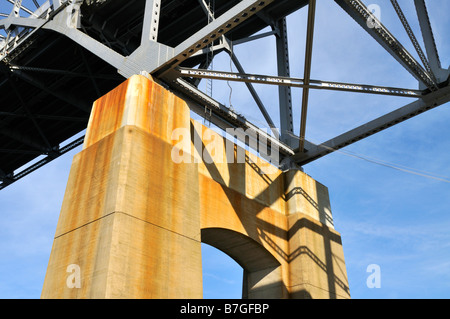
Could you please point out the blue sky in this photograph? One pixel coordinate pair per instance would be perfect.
(396, 220)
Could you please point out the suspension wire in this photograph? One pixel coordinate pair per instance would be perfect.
(231, 70)
(395, 166)
(398, 167)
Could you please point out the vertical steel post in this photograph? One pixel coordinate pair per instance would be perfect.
(428, 40)
(307, 74)
(284, 92)
(151, 20)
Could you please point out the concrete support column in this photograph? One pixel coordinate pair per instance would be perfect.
(130, 220)
(316, 258)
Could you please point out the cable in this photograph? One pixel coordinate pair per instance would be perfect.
(231, 70)
(398, 167)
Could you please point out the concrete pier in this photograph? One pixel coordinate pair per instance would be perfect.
(133, 219)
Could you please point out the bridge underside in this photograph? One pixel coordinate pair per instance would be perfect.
(48, 83)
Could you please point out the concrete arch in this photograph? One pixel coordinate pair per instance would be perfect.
(262, 271)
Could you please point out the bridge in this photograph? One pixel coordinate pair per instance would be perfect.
(52, 51)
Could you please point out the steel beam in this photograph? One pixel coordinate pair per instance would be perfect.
(10, 178)
(62, 95)
(359, 12)
(255, 96)
(307, 71)
(88, 69)
(26, 152)
(402, 114)
(151, 20)
(47, 117)
(296, 82)
(57, 3)
(21, 137)
(414, 41)
(214, 48)
(99, 49)
(21, 22)
(5, 178)
(428, 40)
(163, 63)
(254, 37)
(8, 48)
(163, 58)
(220, 26)
(43, 11)
(223, 117)
(30, 115)
(206, 8)
(284, 92)
(18, 6)
(108, 33)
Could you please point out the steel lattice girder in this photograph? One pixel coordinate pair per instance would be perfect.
(402, 114)
(358, 11)
(153, 55)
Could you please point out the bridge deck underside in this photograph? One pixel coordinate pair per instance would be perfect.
(48, 83)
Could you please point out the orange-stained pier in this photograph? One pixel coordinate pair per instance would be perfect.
(133, 219)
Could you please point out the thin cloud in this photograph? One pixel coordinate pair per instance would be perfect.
(221, 279)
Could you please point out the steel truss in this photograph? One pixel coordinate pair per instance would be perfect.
(165, 64)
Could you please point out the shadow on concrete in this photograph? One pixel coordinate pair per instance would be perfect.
(222, 239)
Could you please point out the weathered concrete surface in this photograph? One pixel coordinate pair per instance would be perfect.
(133, 219)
